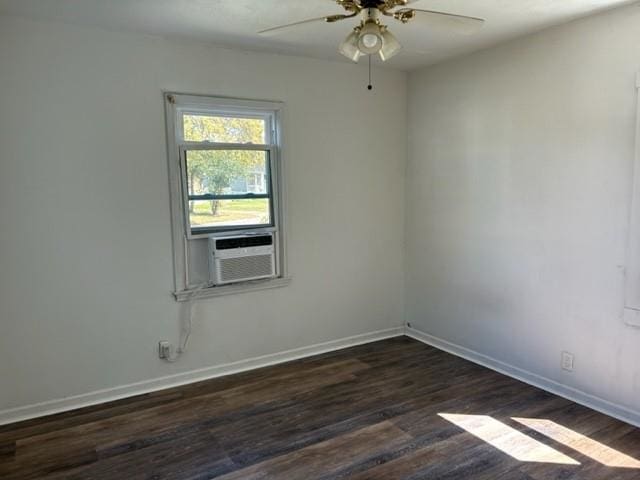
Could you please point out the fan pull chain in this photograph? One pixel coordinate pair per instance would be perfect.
(369, 87)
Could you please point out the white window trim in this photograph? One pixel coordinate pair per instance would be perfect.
(175, 105)
(631, 313)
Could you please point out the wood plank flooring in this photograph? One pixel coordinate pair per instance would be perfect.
(395, 409)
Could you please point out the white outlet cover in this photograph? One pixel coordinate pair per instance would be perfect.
(164, 349)
(631, 317)
(567, 361)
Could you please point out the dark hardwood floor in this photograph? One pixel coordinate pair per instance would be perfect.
(395, 409)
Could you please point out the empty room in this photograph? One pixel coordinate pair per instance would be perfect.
(319, 239)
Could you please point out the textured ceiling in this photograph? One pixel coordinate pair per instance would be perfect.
(234, 23)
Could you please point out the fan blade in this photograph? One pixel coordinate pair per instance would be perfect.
(328, 19)
(449, 21)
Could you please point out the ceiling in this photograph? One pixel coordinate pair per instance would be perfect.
(234, 23)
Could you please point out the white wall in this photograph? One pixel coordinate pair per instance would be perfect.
(85, 240)
(518, 193)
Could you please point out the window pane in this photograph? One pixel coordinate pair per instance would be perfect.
(229, 213)
(227, 172)
(207, 128)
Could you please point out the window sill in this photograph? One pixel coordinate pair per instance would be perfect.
(233, 289)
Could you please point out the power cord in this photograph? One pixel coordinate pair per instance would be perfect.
(186, 315)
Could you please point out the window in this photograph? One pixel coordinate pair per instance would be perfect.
(222, 192)
(227, 160)
(225, 176)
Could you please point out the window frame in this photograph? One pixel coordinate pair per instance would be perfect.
(271, 195)
(177, 105)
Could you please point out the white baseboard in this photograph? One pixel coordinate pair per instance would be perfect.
(107, 395)
(102, 396)
(596, 403)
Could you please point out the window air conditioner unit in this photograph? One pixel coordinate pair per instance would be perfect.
(240, 258)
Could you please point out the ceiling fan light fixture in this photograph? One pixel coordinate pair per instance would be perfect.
(371, 35)
(349, 47)
(370, 40)
(390, 45)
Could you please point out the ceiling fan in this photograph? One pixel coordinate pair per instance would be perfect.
(371, 36)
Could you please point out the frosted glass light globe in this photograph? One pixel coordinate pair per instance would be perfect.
(370, 40)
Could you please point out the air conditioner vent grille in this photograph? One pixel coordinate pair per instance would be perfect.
(244, 242)
(246, 267)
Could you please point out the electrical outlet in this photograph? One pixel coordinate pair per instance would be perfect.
(566, 361)
(164, 350)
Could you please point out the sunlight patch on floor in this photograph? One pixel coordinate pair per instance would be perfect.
(508, 440)
(580, 443)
